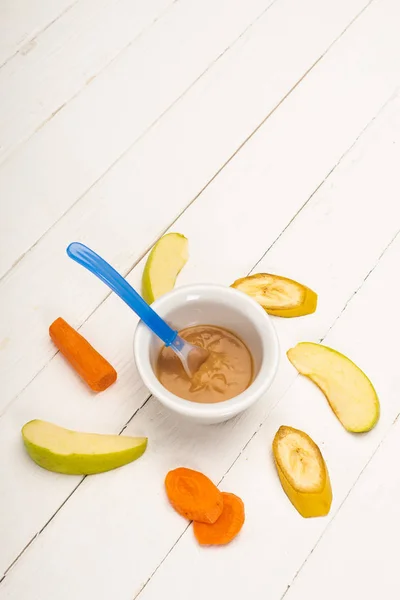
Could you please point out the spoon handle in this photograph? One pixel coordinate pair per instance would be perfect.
(99, 267)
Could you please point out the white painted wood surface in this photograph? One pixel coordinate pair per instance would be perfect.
(22, 21)
(269, 134)
(62, 162)
(201, 147)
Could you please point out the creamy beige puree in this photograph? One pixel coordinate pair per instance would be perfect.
(227, 372)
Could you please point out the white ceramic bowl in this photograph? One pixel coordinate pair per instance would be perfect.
(205, 304)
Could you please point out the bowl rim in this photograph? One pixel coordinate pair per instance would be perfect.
(226, 408)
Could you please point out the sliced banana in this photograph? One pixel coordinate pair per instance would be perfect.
(278, 295)
(302, 472)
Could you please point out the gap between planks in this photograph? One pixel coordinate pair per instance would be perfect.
(66, 499)
(362, 470)
(64, 104)
(325, 179)
(259, 126)
(36, 35)
(292, 220)
(273, 406)
(151, 126)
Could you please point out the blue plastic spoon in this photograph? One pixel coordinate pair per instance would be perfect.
(191, 356)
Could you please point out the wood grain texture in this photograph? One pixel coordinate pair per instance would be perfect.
(107, 507)
(361, 542)
(78, 144)
(285, 143)
(64, 59)
(276, 537)
(186, 152)
(22, 20)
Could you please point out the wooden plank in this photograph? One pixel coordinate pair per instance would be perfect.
(76, 146)
(185, 153)
(67, 57)
(107, 507)
(356, 557)
(22, 20)
(276, 539)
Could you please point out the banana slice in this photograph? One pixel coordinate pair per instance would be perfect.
(302, 472)
(278, 295)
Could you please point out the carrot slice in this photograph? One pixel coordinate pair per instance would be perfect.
(87, 362)
(226, 528)
(193, 495)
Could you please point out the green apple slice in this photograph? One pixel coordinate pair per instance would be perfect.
(163, 265)
(64, 451)
(348, 390)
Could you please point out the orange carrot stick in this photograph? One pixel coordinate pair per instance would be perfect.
(87, 362)
(226, 527)
(193, 495)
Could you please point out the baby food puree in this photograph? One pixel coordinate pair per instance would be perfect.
(227, 372)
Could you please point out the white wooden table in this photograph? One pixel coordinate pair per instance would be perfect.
(268, 132)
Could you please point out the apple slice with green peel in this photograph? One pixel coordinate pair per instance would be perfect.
(165, 261)
(348, 390)
(64, 451)
(302, 472)
(278, 295)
